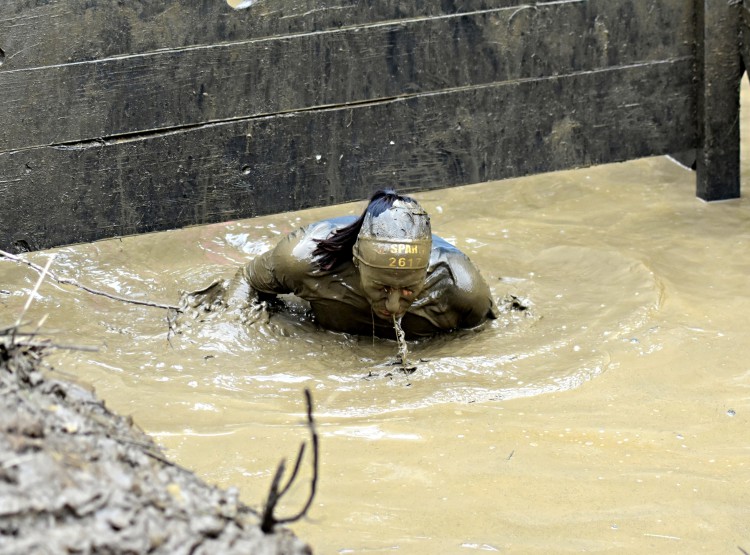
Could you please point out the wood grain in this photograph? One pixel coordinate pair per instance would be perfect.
(177, 88)
(127, 117)
(285, 162)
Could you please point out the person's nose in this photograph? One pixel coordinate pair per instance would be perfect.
(393, 302)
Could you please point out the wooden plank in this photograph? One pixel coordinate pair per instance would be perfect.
(303, 159)
(176, 88)
(52, 32)
(718, 102)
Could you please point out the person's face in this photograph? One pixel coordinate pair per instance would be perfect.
(390, 291)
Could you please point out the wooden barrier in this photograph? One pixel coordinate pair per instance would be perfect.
(119, 118)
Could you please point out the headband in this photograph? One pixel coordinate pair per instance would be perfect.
(399, 254)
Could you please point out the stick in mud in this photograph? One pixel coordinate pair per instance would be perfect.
(268, 519)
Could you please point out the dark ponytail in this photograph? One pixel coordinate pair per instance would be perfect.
(337, 248)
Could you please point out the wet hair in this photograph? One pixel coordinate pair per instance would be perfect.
(337, 247)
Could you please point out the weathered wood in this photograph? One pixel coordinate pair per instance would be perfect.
(41, 33)
(126, 117)
(293, 161)
(719, 73)
(176, 88)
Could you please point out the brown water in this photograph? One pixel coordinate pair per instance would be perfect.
(610, 416)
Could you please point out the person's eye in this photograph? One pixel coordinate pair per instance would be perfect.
(407, 292)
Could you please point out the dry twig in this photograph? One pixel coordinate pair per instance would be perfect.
(269, 520)
(74, 283)
(34, 291)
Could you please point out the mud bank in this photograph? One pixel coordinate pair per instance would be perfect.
(76, 478)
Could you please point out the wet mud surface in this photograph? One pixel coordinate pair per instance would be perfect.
(607, 410)
(76, 478)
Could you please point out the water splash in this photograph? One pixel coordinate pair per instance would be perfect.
(403, 348)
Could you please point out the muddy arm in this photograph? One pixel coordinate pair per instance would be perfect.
(259, 276)
(471, 297)
(284, 269)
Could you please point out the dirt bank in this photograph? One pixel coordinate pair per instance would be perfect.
(74, 477)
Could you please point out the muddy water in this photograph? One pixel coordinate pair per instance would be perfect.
(612, 415)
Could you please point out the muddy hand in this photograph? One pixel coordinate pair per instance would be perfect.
(242, 300)
(208, 299)
(255, 312)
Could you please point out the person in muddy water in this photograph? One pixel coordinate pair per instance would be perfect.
(366, 275)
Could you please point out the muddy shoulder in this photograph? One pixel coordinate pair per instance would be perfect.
(77, 478)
